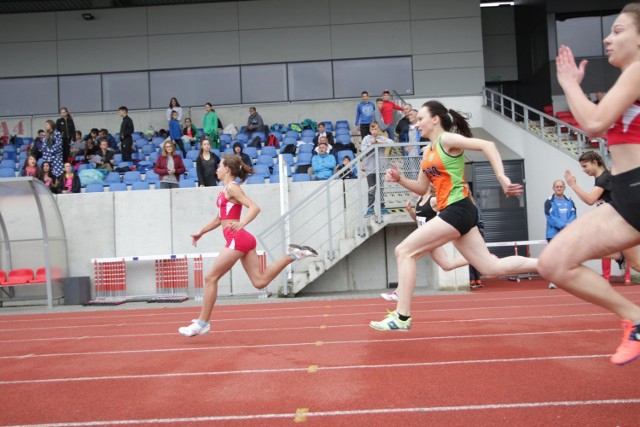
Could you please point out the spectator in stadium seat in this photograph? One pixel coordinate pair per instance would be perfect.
(104, 134)
(190, 133)
(36, 146)
(174, 105)
(90, 150)
(126, 132)
(322, 132)
(69, 181)
(254, 122)
(210, 125)
(237, 149)
(48, 178)
(52, 148)
(206, 165)
(30, 168)
(77, 146)
(347, 169)
(106, 155)
(67, 130)
(322, 163)
(364, 114)
(169, 166)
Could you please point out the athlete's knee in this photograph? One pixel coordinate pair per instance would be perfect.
(211, 279)
(548, 265)
(402, 251)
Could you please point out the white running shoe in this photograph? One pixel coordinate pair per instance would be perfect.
(300, 252)
(194, 329)
(552, 286)
(391, 322)
(390, 296)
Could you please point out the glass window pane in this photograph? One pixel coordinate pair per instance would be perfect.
(310, 80)
(81, 93)
(195, 87)
(128, 89)
(351, 77)
(264, 83)
(494, 198)
(38, 95)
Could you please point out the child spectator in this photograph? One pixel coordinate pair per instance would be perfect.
(48, 179)
(77, 146)
(210, 125)
(175, 133)
(90, 150)
(207, 165)
(190, 133)
(30, 168)
(106, 156)
(347, 171)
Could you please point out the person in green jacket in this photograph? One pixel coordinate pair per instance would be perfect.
(210, 126)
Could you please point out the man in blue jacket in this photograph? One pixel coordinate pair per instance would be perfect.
(364, 114)
(560, 211)
(323, 163)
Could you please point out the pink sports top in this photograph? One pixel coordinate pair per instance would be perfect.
(626, 130)
(228, 210)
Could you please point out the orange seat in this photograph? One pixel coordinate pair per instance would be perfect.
(19, 276)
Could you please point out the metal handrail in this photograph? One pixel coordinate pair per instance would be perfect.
(565, 137)
(335, 210)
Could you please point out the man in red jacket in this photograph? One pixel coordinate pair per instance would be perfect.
(387, 112)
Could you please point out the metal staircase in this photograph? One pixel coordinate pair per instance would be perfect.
(331, 218)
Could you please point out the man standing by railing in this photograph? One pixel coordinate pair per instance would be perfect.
(364, 114)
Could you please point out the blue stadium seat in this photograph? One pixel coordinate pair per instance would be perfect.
(251, 152)
(305, 148)
(262, 136)
(301, 177)
(292, 134)
(342, 131)
(141, 142)
(307, 139)
(304, 159)
(328, 126)
(255, 179)
(274, 179)
(7, 173)
(8, 164)
(216, 152)
(289, 140)
(343, 153)
(242, 138)
(85, 166)
(118, 186)
(288, 158)
(187, 183)
(226, 138)
(131, 177)
(265, 159)
(153, 157)
(112, 177)
(94, 188)
(308, 132)
(151, 177)
(192, 155)
(269, 151)
(278, 135)
(117, 158)
(342, 124)
(140, 185)
(148, 149)
(343, 138)
(261, 169)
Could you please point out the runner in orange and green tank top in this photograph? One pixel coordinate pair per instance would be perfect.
(456, 222)
(446, 173)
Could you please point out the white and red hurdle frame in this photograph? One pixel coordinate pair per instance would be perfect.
(515, 244)
(171, 275)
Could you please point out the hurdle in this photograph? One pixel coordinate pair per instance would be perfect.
(527, 244)
(171, 278)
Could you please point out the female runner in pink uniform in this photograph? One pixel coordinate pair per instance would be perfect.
(241, 245)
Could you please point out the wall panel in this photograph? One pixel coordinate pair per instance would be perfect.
(446, 35)
(286, 44)
(447, 60)
(193, 50)
(27, 27)
(255, 15)
(360, 11)
(193, 18)
(127, 22)
(366, 40)
(103, 55)
(438, 9)
(28, 59)
(448, 82)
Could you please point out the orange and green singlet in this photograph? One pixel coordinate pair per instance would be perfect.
(446, 173)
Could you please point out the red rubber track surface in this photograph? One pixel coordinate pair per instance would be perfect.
(510, 354)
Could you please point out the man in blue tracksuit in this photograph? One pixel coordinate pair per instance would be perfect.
(560, 211)
(364, 114)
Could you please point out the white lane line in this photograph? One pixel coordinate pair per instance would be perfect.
(379, 411)
(310, 316)
(304, 369)
(175, 311)
(312, 344)
(301, 328)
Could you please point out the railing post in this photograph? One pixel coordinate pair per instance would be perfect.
(330, 252)
(378, 197)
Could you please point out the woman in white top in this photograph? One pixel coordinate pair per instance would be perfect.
(174, 105)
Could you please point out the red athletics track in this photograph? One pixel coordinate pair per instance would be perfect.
(510, 354)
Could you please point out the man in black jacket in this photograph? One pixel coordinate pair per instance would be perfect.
(126, 131)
